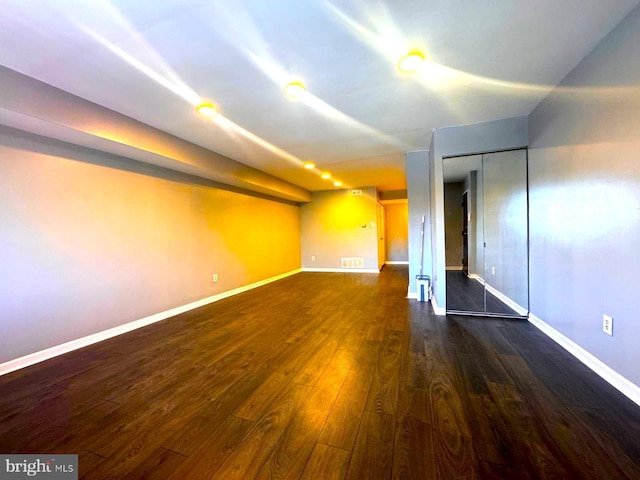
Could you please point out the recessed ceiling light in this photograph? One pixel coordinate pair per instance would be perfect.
(295, 89)
(411, 62)
(326, 175)
(337, 183)
(309, 165)
(207, 109)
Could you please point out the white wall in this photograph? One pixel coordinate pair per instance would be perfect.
(89, 241)
(584, 162)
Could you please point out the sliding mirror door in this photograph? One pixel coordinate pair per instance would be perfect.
(464, 250)
(486, 233)
(506, 232)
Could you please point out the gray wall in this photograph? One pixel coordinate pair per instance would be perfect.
(90, 241)
(463, 140)
(392, 195)
(419, 205)
(585, 201)
(476, 225)
(469, 186)
(453, 223)
(336, 224)
(34, 106)
(505, 224)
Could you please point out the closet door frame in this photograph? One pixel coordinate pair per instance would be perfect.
(528, 239)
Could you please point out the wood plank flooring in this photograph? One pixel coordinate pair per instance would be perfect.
(324, 376)
(465, 294)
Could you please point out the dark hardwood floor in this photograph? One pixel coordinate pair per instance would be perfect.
(324, 376)
(465, 294)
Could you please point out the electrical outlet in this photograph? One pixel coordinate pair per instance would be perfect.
(215, 277)
(313, 258)
(607, 324)
(493, 269)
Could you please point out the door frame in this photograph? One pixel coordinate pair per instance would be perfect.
(465, 232)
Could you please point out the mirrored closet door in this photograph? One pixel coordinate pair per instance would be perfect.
(486, 233)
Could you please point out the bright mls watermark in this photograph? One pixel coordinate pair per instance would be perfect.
(51, 467)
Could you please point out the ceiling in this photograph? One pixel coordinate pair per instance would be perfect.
(154, 60)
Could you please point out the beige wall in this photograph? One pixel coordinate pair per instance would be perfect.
(336, 224)
(397, 231)
(85, 247)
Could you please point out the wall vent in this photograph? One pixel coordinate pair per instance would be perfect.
(352, 262)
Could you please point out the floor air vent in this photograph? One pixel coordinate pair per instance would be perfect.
(352, 262)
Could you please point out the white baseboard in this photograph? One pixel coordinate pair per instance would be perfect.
(51, 352)
(436, 309)
(396, 262)
(626, 387)
(342, 270)
(519, 309)
(454, 267)
(411, 294)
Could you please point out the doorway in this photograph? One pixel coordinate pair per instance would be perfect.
(382, 248)
(486, 234)
(465, 232)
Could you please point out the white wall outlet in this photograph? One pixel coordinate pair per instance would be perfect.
(607, 324)
(215, 277)
(313, 258)
(493, 269)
